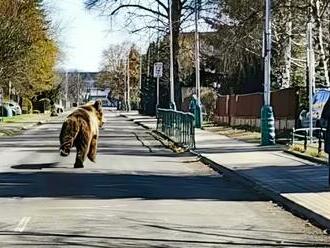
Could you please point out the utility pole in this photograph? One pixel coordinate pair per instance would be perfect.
(78, 89)
(172, 101)
(66, 89)
(128, 85)
(311, 75)
(9, 90)
(140, 79)
(159, 63)
(268, 50)
(198, 108)
(267, 115)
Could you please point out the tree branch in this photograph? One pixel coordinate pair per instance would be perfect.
(139, 7)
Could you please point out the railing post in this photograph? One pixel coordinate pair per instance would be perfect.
(293, 132)
(177, 125)
(320, 143)
(305, 142)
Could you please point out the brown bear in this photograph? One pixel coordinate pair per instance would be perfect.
(81, 129)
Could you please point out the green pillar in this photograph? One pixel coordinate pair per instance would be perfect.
(267, 126)
(198, 116)
(196, 109)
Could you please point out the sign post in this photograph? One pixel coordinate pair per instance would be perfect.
(158, 73)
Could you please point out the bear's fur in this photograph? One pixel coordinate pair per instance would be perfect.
(81, 129)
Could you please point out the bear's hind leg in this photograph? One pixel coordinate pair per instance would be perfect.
(82, 145)
(92, 149)
(68, 134)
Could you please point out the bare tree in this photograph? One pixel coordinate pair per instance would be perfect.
(148, 14)
(319, 9)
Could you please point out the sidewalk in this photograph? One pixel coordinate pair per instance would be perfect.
(299, 185)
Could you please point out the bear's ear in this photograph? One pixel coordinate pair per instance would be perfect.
(97, 104)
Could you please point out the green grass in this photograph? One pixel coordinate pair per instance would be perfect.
(11, 132)
(310, 152)
(25, 118)
(243, 134)
(11, 126)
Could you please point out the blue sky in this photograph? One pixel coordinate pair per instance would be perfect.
(83, 34)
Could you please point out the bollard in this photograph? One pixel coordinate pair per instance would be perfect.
(293, 131)
(319, 149)
(267, 126)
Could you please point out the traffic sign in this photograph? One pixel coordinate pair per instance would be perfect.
(158, 69)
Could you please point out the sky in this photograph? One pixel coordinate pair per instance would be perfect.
(83, 34)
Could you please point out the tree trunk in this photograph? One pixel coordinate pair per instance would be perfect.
(322, 73)
(287, 50)
(176, 16)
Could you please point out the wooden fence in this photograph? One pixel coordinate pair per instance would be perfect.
(239, 110)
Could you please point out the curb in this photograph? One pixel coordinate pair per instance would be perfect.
(142, 125)
(302, 156)
(289, 205)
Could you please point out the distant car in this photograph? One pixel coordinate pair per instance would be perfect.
(14, 106)
(106, 103)
(5, 111)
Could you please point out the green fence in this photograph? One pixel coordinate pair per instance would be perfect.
(179, 126)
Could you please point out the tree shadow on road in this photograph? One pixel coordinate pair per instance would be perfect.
(42, 239)
(79, 184)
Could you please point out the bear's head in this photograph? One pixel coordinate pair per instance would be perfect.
(99, 112)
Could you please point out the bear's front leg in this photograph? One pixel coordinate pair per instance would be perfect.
(92, 149)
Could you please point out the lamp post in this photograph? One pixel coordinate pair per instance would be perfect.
(140, 76)
(128, 86)
(311, 76)
(198, 109)
(172, 101)
(267, 115)
(66, 90)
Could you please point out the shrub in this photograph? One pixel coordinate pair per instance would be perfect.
(27, 107)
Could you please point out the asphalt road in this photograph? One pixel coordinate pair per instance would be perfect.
(138, 194)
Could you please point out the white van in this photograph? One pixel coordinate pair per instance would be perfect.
(319, 100)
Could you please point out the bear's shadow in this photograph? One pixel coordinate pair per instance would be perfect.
(35, 166)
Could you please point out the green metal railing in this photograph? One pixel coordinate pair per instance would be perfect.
(178, 126)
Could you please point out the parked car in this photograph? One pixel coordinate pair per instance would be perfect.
(14, 106)
(319, 100)
(5, 111)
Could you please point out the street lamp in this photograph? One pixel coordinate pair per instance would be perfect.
(267, 115)
(311, 76)
(128, 86)
(198, 112)
(172, 103)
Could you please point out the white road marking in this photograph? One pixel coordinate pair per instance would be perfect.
(22, 224)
